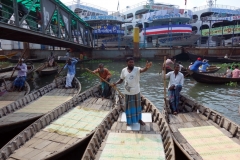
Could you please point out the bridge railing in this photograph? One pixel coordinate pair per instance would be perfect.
(58, 21)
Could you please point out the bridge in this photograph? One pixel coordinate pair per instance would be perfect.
(47, 22)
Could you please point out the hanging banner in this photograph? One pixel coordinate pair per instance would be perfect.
(48, 9)
(219, 30)
(65, 19)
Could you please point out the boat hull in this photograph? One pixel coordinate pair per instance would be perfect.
(15, 59)
(193, 57)
(212, 78)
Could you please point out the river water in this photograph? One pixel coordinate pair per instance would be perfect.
(222, 98)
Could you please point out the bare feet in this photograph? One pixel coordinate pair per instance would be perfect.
(141, 122)
(175, 113)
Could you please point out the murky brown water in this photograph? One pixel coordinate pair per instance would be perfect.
(222, 98)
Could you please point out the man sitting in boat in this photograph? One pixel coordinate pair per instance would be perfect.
(228, 73)
(106, 75)
(197, 64)
(131, 75)
(19, 82)
(181, 66)
(190, 65)
(51, 60)
(170, 62)
(236, 72)
(205, 65)
(174, 87)
(71, 71)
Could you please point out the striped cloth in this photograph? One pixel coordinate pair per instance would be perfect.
(20, 81)
(133, 108)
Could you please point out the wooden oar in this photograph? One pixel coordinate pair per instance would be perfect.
(59, 73)
(18, 62)
(106, 82)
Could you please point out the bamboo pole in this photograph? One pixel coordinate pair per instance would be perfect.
(59, 73)
(164, 78)
(106, 82)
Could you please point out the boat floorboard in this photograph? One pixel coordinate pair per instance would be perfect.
(149, 130)
(189, 120)
(68, 129)
(40, 106)
(11, 96)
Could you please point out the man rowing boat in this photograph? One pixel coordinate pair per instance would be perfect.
(106, 75)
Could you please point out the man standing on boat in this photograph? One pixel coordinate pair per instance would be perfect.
(51, 60)
(131, 75)
(174, 87)
(106, 75)
(19, 82)
(71, 71)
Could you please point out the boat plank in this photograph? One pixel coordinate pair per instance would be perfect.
(32, 154)
(175, 127)
(41, 155)
(43, 144)
(22, 152)
(188, 148)
(179, 137)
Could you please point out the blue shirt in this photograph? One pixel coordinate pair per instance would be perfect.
(71, 67)
(196, 65)
(204, 67)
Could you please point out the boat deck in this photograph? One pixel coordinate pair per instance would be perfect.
(8, 74)
(9, 97)
(40, 106)
(132, 142)
(68, 129)
(209, 149)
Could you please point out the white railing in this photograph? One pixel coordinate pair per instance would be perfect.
(146, 3)
(86, 4)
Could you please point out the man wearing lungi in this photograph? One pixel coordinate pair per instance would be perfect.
(174, 87)
(19, 82)
(131, 75)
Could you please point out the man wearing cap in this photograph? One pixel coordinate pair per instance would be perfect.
(197, 64)
(19, 82)
(131, 76)
(204, 66)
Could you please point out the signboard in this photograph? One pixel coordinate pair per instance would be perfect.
(91, 18)
(229, 11)
(219, 30)
(224, 18)
(175, 38)
(108, 29)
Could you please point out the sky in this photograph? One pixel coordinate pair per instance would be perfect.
(111, 5)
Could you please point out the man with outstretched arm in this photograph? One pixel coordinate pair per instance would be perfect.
(131, 76)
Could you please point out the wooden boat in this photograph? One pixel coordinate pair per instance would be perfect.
(202, 133)
(5, 57)
(113, 139)
(186, 72)
(62, 129)
(34, 105)
(15, 59)
(193, 57)
(7, 97)
(43, 70)
(215, 78)
(5, 73)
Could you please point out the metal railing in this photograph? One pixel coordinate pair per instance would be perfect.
(215, 6)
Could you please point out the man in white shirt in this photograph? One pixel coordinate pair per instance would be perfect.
(131, 76)
(19, 82)
(174, 86)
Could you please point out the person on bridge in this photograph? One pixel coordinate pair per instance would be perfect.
(1, 11)
(71, 71)
(131, 75)
(38, 17)
(174, 87)
(106, 75)
(19, 82)
(51, 60)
